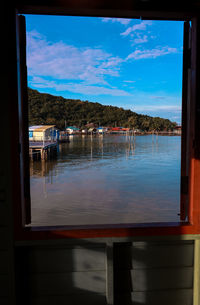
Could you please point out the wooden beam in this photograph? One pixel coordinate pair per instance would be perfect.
(109, 274)
(185, 134)
(196, 278)
(112, 8)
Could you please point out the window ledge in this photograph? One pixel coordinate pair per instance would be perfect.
(102, 231)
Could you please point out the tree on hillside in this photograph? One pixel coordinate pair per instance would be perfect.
(48, 109)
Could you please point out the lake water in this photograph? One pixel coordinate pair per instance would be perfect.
(107, 180)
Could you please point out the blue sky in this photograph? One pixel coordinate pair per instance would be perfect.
(129, 63)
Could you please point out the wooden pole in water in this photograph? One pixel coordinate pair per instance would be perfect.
(42, 153)
(31, 153)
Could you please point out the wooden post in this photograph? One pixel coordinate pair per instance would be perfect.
(31, 153)
(42, 153)
(109, 274)
(43, 168)
(196, 278)
(194, 168)
(45, 154)
(185, 119)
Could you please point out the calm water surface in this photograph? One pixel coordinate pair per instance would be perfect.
(109, 179)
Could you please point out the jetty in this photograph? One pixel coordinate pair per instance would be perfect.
(42, 150)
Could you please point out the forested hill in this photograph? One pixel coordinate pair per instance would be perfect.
(48, 109)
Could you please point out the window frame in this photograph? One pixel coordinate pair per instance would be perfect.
(192, 226)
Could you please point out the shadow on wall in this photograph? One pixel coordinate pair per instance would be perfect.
(148, 273)
(61, 274)
(154, 273)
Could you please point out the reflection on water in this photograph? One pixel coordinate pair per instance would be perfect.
(108, 179)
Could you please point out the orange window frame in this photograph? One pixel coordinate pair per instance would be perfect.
(190, 147)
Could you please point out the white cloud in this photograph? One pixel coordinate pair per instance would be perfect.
(140, 39)
(63, 61)
(81, 88)
(139, 26)
(123, 21)
(153, 53)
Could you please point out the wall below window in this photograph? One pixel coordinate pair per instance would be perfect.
(62, 274)
(154, 273)
(144, 272)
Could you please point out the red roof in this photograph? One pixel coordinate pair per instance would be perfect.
(116, 128)
(125, 129)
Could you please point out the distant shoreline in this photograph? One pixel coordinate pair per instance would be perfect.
(161, 133)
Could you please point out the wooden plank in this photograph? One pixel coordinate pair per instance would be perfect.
(185, 133)
(65, 260)
(88, 299)
(169, 297)
(154, 279)
(23, 118)
(97, 241)
(194, 172)
(134, 9)
(154, 254)
(109, 274)
(197, 106)
(146, 255)
(135, 231)
(67, 283)
(170, 278)
(196, 294)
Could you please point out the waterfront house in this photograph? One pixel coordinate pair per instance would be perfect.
(72, 130)
(91, 125)
(43, 133)
(116, 129)
(84, 131)
(177, 130)
(101, 129)
(63, 136)
(136, 130)
(119, 130)
(92, 130)
(125, 130)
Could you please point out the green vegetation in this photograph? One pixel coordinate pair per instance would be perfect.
(48, 109)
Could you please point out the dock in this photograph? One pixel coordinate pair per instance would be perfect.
(42, 150)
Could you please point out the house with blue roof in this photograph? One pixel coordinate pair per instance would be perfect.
(72, 130)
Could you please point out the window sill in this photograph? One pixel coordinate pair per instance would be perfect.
(103, 231)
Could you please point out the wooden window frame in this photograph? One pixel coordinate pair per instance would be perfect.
(192, 118)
